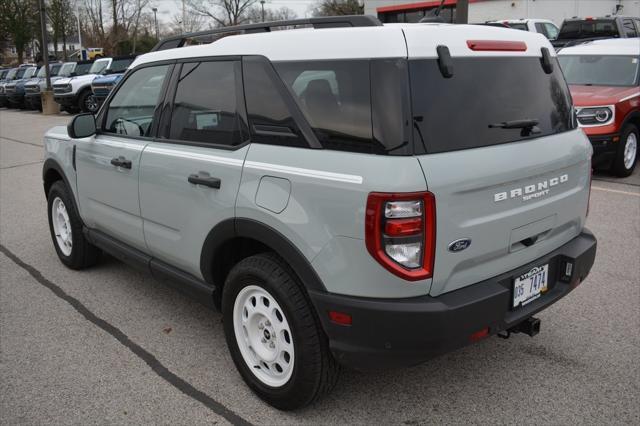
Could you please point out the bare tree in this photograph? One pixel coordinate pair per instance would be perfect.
(139, 5)
(254, 14)
(192, 22)
(223, 12)
(338, 7)
(62, 22)
(93, 16)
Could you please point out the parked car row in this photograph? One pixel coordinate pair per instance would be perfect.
(72, 83)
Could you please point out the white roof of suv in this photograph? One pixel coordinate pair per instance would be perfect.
(615, 46)
(385, 41)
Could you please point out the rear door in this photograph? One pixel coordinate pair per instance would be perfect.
(515, 193)
(108, 164)
(190, 174)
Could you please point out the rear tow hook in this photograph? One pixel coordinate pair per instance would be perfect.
(530, 327)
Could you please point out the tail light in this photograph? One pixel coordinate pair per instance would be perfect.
(400, 232)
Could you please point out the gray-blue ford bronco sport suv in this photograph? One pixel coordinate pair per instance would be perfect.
(347, 193)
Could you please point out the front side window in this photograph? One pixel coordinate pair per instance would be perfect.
(119, 65)
(629, 28)
(206, 104)
(468, 110)
(600, 70)
(131, 110)
(82, 69)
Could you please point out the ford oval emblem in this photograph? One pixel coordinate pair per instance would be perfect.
(459, 245)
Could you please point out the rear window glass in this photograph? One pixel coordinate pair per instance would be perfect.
(515, 26)
(588, 29)
(455, 113)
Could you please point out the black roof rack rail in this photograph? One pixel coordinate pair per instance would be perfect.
(320, 22)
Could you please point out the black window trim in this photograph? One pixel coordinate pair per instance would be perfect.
(170, 95)
(288, 96)
(101, 116)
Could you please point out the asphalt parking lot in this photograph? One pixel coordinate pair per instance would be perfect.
(112, 345)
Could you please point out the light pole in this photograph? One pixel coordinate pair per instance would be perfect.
(155, 20)
(262, 4)
(80, 56)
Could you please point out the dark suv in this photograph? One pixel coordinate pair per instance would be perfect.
(576, 29)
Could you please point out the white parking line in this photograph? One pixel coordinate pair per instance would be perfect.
(634, 194)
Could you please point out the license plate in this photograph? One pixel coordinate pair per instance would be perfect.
(528, 287)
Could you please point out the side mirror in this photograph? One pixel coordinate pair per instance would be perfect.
(82, 126)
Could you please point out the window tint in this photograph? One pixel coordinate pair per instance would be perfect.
(119, 65)
(541, 29)
(336, 100)
(269, 116)
(518, 26)
(131, 110)
(587, 29)
(629, 28)
(205, 104)
(455, 113)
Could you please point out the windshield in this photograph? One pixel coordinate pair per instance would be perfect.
(588, 29)
(98, 67)
(20, 73)
(600, 70)
(512, 90)
(120, 65)
(66, 69)
(53, 71)
(3, 74)
(82, 69)
(30, 72)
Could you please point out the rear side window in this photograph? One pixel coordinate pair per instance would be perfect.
(352, 105)
(336, 100)
(455, 113)
(205, 104)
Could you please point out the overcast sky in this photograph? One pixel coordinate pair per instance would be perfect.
(167, 8)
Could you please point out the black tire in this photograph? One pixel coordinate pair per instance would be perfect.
(315, 371)
(629, 133)
(82, 254)
(82, 100)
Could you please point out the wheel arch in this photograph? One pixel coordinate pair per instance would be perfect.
(235, 239)
(631, 118)
(52, 172)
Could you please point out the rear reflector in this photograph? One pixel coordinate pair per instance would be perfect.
(479, 335)
(497, 45)
(340, 318)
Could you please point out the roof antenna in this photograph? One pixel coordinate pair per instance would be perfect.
(434, 17)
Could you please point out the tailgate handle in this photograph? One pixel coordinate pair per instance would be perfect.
(528, 242)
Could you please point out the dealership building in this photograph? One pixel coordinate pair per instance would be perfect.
(486, 10)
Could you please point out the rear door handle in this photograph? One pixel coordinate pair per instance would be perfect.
(121, 162)
(209, 181)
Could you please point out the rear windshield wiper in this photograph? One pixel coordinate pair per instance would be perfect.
(528, 126)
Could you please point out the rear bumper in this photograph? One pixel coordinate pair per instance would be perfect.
(388, 333)
(604, 148)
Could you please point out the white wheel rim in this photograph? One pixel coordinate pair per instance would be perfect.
(630, 150)
(61, 226)
(263, 336)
